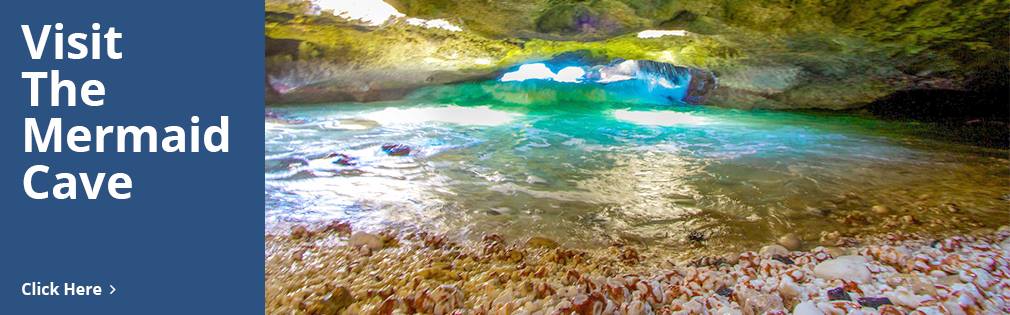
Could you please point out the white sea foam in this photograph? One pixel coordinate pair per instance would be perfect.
(658, 118)
(472, 116)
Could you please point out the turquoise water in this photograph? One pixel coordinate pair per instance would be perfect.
(572, 165)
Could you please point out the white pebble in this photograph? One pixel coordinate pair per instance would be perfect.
(851, 268)
(807, 308)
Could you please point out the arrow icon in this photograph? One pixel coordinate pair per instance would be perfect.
(113, 289)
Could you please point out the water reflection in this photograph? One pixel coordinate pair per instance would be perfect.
(587, 175)
(658, 117)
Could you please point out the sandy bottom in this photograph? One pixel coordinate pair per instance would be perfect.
(327, 269)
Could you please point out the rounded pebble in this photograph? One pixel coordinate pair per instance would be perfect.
(774, 249)
(849, 268)
(790, 241)
(369, 240)
(807, 308)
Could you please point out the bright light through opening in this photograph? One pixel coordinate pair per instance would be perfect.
(372, 12)
(661, 33)
(377, 12)
(536, 71)
(570, 74)
(539, 71)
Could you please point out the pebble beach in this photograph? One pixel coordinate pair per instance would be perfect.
(335, 269)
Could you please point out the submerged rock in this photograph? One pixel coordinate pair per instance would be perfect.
(790, 241)
(541, 242)
(772, 250)
(342, 159)
(849, 268)
(880, 209)
(359, 239)
(396, 149)
(953, 208)
(696, 236)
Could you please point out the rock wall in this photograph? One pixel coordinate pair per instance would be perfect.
(766, 54)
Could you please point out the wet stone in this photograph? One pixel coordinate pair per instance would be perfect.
(368, 240)
(731, 258)
(880, 209)
(396, 149)
(541, 242)
(790, 241)
(299, 231)
(819, 211)
(696, 236)
(874, 302)
(724, 291)
(838, 294)
(909, 220)
(772, 250)
(953, 208)
(340, 227)
(342, 159)
(783, 259)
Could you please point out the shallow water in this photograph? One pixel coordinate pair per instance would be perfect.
(588, 171)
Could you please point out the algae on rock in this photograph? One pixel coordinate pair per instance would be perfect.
(767, 53)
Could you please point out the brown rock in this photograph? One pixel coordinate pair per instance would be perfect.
(790, 241)
(541, 242)
(299, 232)
(368, 240)
(836, 251)
(333, 302)
(909, 219)
(772, 250)
(953, 208)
